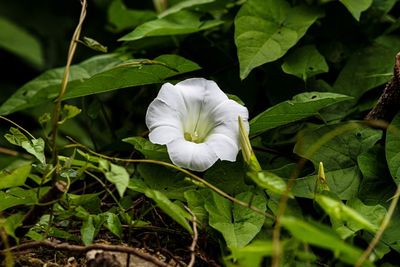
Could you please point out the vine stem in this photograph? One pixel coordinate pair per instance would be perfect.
(57, 107)
(18, 126)
(188, 173)
(277, 252)
(382, 228)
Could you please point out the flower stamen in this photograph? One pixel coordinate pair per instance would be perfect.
(193, 137)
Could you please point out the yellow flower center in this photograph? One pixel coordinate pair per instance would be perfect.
(193, 137)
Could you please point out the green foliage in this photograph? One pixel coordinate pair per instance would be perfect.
(252, 254)
(357, 7)
(184, 22)
(238, 225)
(392, 145)
(266, 30)
(369, 67)
(307, 70)
(300, 107)
(305, 62)
(93, 77)
(321, 236)
(122, 18)
(15, 174)
(33, 146)
(148, 149)
(115, 174)
(269, 181)
(184, 5)
(20, 42)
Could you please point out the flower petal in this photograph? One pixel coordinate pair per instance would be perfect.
(192, 156)
(193, 99)
(159, 113)
(229, 110)
(191, 91)
(223, 146)
(162, 135)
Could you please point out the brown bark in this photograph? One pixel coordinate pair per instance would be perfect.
(389, 102)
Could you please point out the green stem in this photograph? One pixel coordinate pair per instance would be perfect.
(188, 173)
(57, 107)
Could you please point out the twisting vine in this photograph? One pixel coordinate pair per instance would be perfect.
(57, 107)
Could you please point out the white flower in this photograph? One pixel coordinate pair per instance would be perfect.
(197, 122)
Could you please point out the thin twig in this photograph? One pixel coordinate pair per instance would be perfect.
(13, 153)
(106, 188)
(382, 228)
(18, 126)
(84, 249)
(188, 173)
(192, 247)
(276, 254)
(63, 89)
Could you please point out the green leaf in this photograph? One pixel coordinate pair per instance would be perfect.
(172, 209)
(183, 22)
(93, 44)
(266, 30)
(269, 181)
(18, 196)
(238, 225)
(363, 71)
(121, 18)
(15, 174)
(373, 213)
(183, 5)
(20, 42)
(393, 148)
(336, 145)
(133, 73)
(300, 107)
(116, 174)
(337, 210)
(11, 223)
(34, 147)
(252, 254)
(176, 212)
(377, 185)
(90, 202)
(97, 75)
(228, 176)
(343, 182)
(113, 224)
(196, 200)
(164, 180)
(322, 236)
(69, 111)
(305, 62)
(356, 7)
(88, 231)
(148, 149)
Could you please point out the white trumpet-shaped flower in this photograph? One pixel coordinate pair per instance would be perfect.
(197, 122)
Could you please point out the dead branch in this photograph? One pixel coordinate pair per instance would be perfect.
(84, 249)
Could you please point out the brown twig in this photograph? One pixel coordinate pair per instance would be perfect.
(57, 107)
(84, 249)
(388, 104)
(192, 247)
(13, 153)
